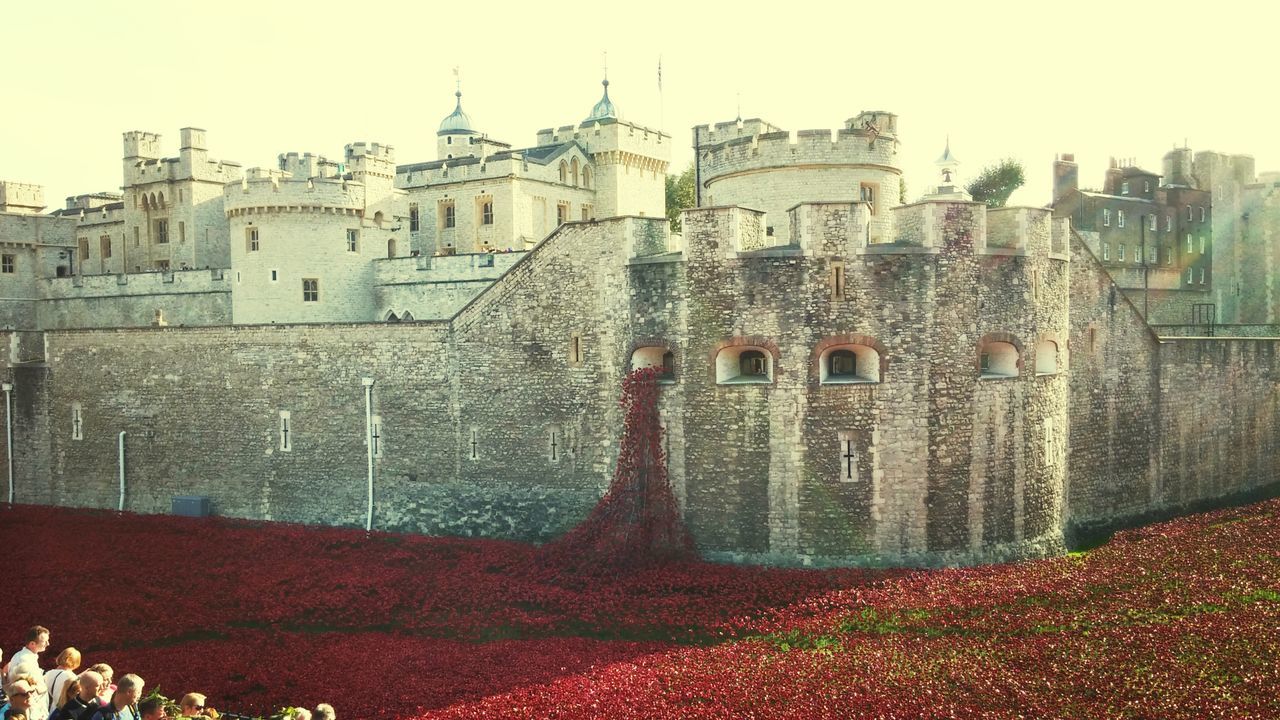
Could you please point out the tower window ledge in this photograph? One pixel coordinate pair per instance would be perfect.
(747, 380)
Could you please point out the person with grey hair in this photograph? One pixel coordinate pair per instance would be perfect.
(85, 699)
(324, 711)
(29, 670)
(20, 693)
(124, 702)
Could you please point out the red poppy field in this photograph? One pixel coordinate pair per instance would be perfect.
(1173, 620)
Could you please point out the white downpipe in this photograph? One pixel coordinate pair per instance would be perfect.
(8, 433)
(121, 453)
(368, 445)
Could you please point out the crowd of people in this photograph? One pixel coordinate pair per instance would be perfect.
(64, 692)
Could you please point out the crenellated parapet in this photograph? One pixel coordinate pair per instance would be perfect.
(269, 191)
(844, 147)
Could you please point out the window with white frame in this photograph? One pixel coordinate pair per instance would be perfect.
(310, 290)
(1190, 247)
(998, 359)
(1046, 357)
(1106, 251)
(1201, 276)
(414, 218)
(353, 240)
(1120, 252)
(1191, 274)
(1201, 244)
(251, 243)
(849, 364)
(1124, 188)
(1202, 214)
(1106, 217)
(1151, 222)
(1168, 223)
(1188, 213)
(1119, 218)
(744, 364)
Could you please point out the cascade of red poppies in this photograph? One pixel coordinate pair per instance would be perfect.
(637, 521)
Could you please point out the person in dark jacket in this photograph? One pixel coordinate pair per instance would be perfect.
(124, 702)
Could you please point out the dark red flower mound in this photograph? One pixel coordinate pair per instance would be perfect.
(1177, 620)
(637, 522)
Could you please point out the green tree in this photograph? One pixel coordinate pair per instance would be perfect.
(679, 195)
(996, 183)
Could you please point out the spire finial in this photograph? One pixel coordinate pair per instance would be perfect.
(739, 118)
(457, 83)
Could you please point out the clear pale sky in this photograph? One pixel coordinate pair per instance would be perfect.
(1023, 80)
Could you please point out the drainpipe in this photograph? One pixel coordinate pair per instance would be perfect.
(8, 432)
(368, 444)
(120, 508)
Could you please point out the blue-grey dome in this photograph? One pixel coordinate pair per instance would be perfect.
(457, 122)
(604, 108)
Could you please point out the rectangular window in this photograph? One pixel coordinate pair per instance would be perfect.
(251, 239)
(586, 213)
(1119, 218)
(182, 231)
(486, 212)
(1168, 223)
(1201, 244)
(104, 246)
(162, 232)
(562, 213)
(1106, 217)
(275, 275)
(1201, 276)
(1202, 214)
(1120, 252)
(162, 265)
(286, 431)
(1190, 248)
(868, 195)
(1153, 255)
(1106, 251)
(1188, 213)
(1124, 188)
(137, 239)
(1146, 187)
(1191, 273)
(82, 245)
(353, 240)
(310, 290)
(1151, 224)
(1168, 255)
(837, 280)
(450, 219)
(414, 225)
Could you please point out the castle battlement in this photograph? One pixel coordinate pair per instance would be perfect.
(781, 148)
(371, 150)
(609, 134)
(25, 198)
(704, 135)
(441, 172)
(269, 191)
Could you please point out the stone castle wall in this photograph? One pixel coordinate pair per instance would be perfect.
(185, 297)
(503, 421)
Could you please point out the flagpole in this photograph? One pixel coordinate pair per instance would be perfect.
(662, 106)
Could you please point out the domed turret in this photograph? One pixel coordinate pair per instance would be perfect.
(605, 108)
(457, 122)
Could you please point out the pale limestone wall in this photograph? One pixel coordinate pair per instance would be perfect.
(35, 243)
(773, 171)
(302, 230)
(24, 198)
(92, 226)
(184, 298)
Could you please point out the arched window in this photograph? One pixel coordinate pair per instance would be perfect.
(573, 169)
(407, 316)
(1046, 357)
(656, 356)
(849, 364)
(391, 316)
(391, 248)
(377, 218)
(586, 177)
(744, 364)
(160, 199)
(564, 172)
(998, 360)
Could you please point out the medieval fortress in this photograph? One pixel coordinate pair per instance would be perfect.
(437, 346)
